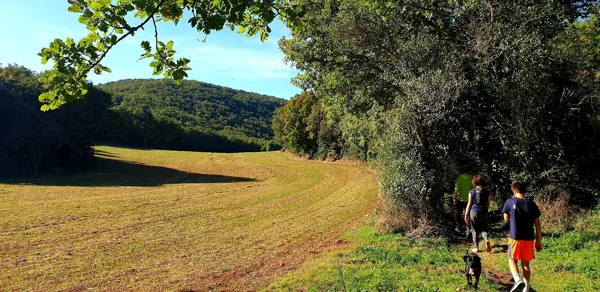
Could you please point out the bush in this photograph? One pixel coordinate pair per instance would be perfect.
(557, 213)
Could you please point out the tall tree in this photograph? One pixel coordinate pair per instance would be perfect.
(443, 85)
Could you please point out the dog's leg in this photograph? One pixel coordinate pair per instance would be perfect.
(476, 281)
(469, 279)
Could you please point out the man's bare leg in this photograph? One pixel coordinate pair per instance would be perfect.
(515, 273)
(513, 266)
(526, 273)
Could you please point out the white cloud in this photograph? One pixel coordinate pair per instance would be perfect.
(240, 63)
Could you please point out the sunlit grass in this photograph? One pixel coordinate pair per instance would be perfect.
(166, 220)
(384, 262)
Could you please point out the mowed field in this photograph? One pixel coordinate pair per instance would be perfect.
(166, 220)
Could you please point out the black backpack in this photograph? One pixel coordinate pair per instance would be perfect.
(480, 197)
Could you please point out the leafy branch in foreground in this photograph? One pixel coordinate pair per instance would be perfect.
(108, 24)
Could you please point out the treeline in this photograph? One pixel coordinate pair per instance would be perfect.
(190, 116)
(139, 113)
(32, 141)
(428, 90)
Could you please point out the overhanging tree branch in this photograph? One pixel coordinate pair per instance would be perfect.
(129, 32)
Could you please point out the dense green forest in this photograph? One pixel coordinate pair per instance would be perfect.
(140, 113)
(426, 90)
(32, 141)
(190, 116)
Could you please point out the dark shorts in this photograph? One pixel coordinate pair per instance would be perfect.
(479, 221)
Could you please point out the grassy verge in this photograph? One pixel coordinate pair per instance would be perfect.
(383, 262)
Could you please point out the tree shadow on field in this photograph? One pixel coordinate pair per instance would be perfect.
(104, 154)
(111, 172)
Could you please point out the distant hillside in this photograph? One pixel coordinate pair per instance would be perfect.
(198, 106)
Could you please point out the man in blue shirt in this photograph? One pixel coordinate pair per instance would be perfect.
(522, 214)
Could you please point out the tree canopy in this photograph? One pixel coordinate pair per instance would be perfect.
(429, 89)
(109, 22)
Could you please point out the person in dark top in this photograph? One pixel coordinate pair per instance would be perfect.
(477, 212)
(523, 214)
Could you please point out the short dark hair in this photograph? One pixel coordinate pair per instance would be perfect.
(479, 180)
(518, 186)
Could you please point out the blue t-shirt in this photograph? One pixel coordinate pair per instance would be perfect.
(522, 217)
(480, 201)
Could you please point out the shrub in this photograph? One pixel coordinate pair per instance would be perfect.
(557, 213)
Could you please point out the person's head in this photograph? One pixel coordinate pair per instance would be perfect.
(479, 181)
(518, 187)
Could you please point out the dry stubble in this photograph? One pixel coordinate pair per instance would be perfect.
(166, 220)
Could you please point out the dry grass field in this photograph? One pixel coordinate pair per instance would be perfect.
(176, 221)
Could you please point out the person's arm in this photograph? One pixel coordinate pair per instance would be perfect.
(468, 211)
(538, 235)
(506, 211)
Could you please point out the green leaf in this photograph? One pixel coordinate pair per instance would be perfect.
(146, 46)
(70, 42)
(75, 8)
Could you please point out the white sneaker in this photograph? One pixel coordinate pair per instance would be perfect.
(475, 250)
(526, 289)
(518, 284)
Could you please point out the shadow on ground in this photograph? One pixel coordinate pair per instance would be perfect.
(104, 154)
(111, 172)
(503, 281)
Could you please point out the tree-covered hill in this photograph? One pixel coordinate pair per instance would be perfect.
(198, 106)
(191, 116)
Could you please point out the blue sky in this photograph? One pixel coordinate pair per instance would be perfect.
(226, 58)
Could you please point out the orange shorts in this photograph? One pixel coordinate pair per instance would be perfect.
(520, 249)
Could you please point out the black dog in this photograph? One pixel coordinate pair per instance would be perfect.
(472, 268)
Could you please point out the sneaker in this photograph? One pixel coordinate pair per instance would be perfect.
(488, 246)
(526, 289)
(517, 285)
(475, 250)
